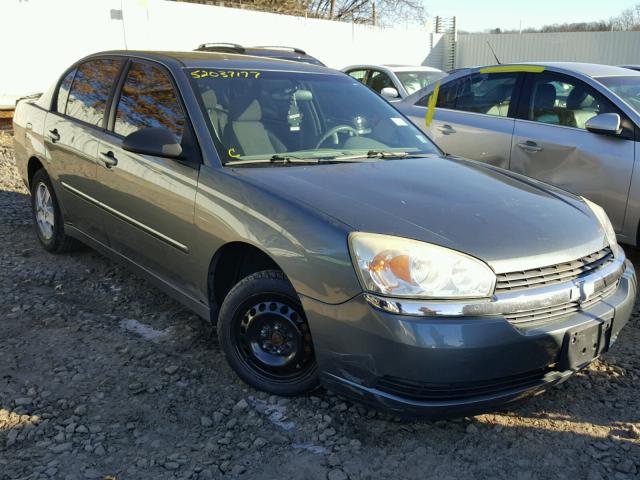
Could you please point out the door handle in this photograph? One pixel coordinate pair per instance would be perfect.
(53, 135)
(447, 129)
(530, 146)
(108, 159)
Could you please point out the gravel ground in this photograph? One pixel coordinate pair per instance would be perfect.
(104, 377)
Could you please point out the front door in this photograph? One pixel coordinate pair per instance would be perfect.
(551, 143)
(150, 199)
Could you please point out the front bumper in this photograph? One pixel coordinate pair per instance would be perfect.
(443, 366)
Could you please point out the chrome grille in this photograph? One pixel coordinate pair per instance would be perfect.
(562, 272)
(544, 315)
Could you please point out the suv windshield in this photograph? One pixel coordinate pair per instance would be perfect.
(414, 81)
(273, 115)
(627, 88)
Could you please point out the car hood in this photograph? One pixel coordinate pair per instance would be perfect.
(508, 220)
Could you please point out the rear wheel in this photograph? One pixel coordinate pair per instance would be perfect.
(265, 337)
(47, 217)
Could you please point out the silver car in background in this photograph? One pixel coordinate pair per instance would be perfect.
(395, 82)
(574, 125)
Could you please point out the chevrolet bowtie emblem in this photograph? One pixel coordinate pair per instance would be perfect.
(582, 291)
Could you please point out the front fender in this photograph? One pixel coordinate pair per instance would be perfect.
(310, 247)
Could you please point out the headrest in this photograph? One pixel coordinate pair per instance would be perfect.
(246, 110)
(210, 99)
(545, 97)
(576, 97)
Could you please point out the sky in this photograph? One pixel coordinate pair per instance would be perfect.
(480, 15)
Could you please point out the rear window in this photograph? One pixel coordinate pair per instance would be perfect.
(91, 88)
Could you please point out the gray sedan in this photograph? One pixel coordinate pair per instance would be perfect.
(323, 234)
(570, 124)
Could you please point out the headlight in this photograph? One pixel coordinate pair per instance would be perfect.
(603, 218)
(401, 267)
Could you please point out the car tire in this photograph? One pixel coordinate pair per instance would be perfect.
(47, 216)
(264, 335)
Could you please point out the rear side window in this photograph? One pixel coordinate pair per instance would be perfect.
(148, 99)
(90, 90)
(63, 92)
(489, 94)
(358, 75)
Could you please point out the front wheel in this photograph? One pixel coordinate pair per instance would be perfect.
(265, 337)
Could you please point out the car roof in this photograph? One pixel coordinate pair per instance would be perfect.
(193, 59)
(594, 70)
(393, 67)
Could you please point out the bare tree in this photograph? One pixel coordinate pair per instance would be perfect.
(358, 11)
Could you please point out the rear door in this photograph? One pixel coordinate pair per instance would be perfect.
(551, 142)
(150, 199)
(473, 117)
(71, 131)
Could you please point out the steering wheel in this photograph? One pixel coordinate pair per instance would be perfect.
(334, 130)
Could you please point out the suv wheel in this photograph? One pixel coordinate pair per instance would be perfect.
(265, 337)
(47, 217)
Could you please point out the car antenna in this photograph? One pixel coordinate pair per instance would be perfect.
(494, 53)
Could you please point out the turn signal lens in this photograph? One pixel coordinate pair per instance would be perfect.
(603, 218)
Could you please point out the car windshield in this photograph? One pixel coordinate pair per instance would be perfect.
(274, 115)
(414, 81)
(627, 88)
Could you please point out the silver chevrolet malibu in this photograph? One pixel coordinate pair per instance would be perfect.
(328, 239)
(574, 125)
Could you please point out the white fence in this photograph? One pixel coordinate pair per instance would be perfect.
(46, 36)
(611, 48)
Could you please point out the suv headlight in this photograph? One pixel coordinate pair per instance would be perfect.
(401, 267)
(603, 218)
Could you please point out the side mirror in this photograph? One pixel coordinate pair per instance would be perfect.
(604, 124)
(156, 141)
(389, 93)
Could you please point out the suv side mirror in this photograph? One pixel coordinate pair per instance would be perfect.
(389, 93)
(604, 124)
(156, 141)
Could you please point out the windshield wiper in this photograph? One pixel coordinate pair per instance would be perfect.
(375, 154)
(290, 159)
(274, 159)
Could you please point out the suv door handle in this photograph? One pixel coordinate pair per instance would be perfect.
(53, 135)
(108, 159)
(530, 146)
(447, 129)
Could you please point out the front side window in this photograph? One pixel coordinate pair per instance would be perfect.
(91, 88)
(562, 100)
(487, 93)
(148, 99)
(63, 92)
(379, 80)
(262, 114)
(627, 88)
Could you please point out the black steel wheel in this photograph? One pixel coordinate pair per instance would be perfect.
(265, 336)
